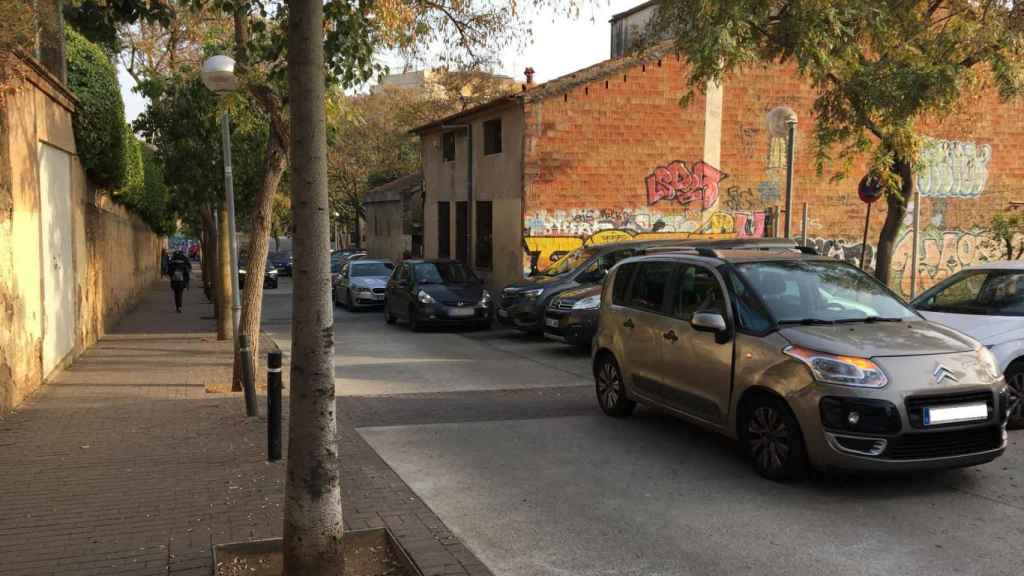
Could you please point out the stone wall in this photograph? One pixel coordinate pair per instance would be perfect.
(114, 255)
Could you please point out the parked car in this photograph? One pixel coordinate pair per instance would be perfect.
(765, 347)
(572, 316)
(986, 302)
(282, 262)
(437, 292)
(523, 304)
(269, 275)
(362, 283)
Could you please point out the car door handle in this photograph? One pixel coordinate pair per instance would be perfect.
(670, 335)
(628, 323)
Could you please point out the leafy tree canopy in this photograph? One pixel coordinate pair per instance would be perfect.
(877, 66)
(99, 118)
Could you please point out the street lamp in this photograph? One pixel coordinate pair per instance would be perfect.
(218, 74)
(782, 122)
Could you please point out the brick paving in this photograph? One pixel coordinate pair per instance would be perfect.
(125, 464)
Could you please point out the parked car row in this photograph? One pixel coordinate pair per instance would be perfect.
(808, 362)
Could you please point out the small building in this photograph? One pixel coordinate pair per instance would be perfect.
(607, 153)
(394, 219)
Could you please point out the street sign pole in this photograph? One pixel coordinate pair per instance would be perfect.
(869, 190)
(864, 242)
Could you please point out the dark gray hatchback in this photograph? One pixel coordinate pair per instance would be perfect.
(523, 304)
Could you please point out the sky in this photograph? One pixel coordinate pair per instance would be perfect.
(560, 46)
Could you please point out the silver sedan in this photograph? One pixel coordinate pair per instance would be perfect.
(361, 283)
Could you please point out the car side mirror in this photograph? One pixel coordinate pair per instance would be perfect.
(711, 322)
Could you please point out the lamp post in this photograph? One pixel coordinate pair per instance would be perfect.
(218, 75)
(782, 122)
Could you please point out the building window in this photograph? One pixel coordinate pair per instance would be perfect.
(462, 232)
(483, 235)
(444, 230)
(492, 137)
(448, 146)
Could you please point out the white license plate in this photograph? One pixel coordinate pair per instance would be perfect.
(503, 313)
(551, 322)
(378, 296)
(460, 312)
(960, 413)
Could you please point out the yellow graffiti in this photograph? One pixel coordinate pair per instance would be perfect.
(720, 223)
(542, 252)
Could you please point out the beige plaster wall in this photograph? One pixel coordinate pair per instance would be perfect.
(114, 255)
(496, 177)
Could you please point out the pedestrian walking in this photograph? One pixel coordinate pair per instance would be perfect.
(180, 271)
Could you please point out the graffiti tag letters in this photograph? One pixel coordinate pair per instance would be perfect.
(950, 168)
(696, 185)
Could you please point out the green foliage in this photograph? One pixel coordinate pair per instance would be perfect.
(99, 119)
(1008, 230)
(878, 67)
(182, 123)
(98, 20)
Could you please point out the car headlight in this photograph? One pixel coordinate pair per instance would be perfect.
(532, 294)
(588, 303)
(424, 298)
(272, 272)
(485, 298)
(988, 361)
(841, 370)
(364, 289)
(241, 270)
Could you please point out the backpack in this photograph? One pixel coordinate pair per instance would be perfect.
(178, 275)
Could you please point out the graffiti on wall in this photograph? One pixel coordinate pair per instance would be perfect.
(549, 236)
(543, 251)
(941, 253)
(953, 169)
(681, 200)
(693, 186)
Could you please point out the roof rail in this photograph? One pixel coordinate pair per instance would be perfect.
(707, 252)
(809, 250)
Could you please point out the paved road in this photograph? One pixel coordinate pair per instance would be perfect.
(500, 436)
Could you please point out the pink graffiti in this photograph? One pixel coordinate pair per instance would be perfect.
(675, 181)
(747, 227)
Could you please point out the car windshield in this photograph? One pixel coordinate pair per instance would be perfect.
(981, 292)
(442, 273)
(570, 261)
(370, 269)
(818, 291)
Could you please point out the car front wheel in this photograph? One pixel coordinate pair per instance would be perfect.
(611, 393)
(772, 439)
(1015, 389)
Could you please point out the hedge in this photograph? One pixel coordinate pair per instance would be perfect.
(99, 122)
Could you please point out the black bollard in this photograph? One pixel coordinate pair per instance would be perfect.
(274, 406)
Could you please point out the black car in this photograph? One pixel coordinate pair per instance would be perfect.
(523, 304)
(269, 275)
(571, 317)
(436, 292)
(282, 261)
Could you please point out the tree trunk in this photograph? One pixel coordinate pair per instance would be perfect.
(225, 328)
(312, 516)
(897, 209)
(209, 253)
(259, 241)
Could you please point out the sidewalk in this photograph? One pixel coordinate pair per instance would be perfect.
(126, 464)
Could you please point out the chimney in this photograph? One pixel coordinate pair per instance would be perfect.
(529, 79)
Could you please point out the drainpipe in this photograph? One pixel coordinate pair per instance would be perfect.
(471, 209)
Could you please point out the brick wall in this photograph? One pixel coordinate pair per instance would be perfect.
(617, 157)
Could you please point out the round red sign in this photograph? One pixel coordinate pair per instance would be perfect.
(869, 189)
